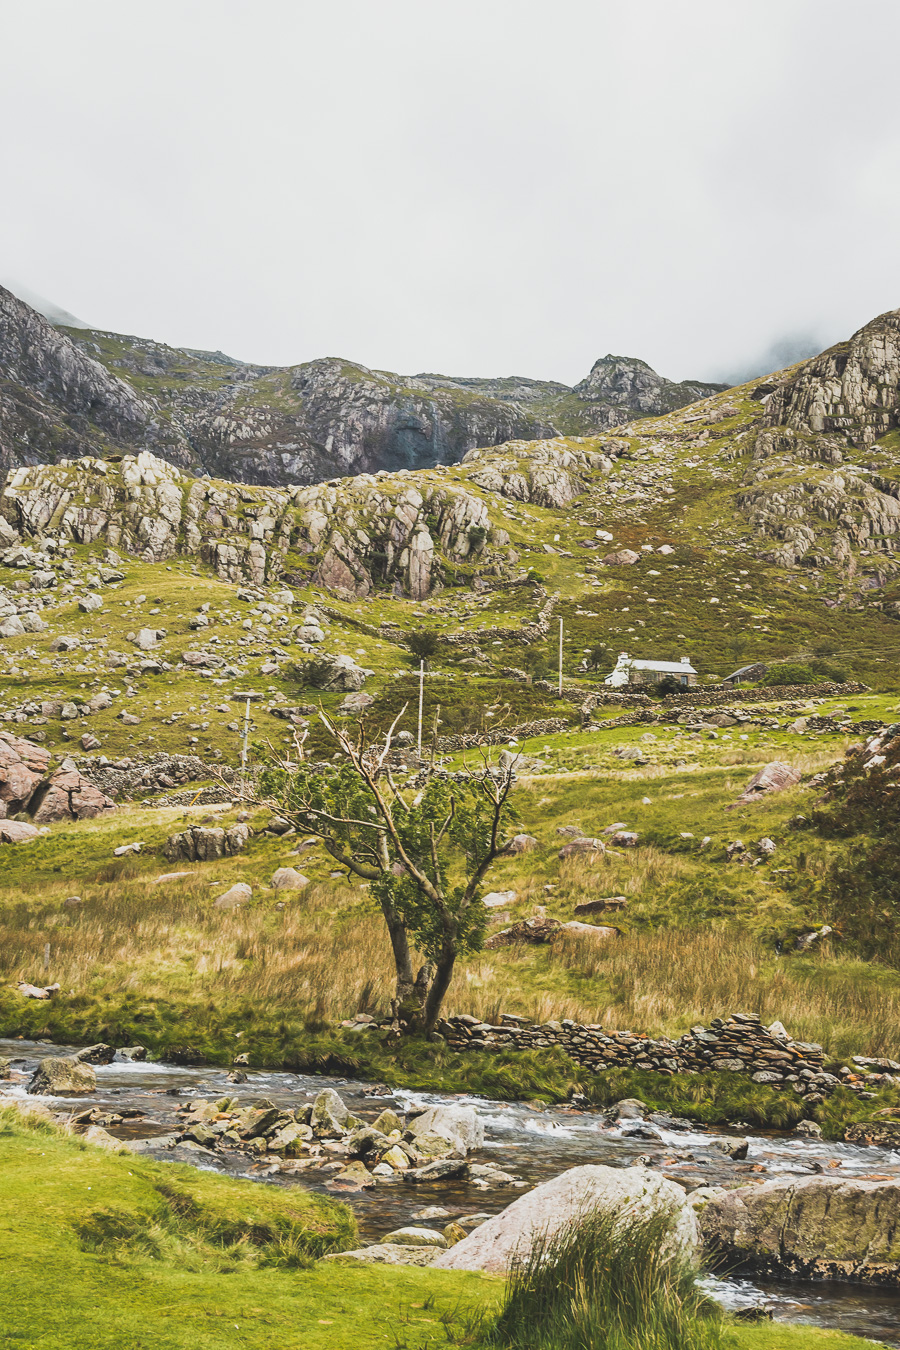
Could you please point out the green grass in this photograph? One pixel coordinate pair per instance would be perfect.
(104, 1250)
(598, 1283)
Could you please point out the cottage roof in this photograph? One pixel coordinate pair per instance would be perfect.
(665, 667)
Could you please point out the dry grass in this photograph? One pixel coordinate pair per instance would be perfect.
(320, 958)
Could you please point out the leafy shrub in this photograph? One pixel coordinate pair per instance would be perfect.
(423, 643)
(789, 672)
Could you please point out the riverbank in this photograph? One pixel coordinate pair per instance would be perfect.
(92, 1262)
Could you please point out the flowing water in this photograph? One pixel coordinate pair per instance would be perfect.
(533, 1143)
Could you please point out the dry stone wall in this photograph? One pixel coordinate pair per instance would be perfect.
(737, 1044)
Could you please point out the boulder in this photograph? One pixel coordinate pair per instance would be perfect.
(95, 1134)
(62, 1077)
(89, 603)
(589, 930)
(288, 879)
(582, 845)
(337, 673)
(203, 843)
(623, 557)
(550, 1207)
(17, 832)
(494, 899)
(774, 777)
(614, 902)
(385, 1254)
(329, 1115)
(521, 843)
(12, 627)
(234, 897)
(459, 1125)
(96, 1054)
(68, 795)
(814, 1227)
(22, 766)
(353, 1177)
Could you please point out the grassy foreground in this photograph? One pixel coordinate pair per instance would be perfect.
(103, 1250)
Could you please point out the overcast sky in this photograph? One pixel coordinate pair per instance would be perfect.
(474, 187)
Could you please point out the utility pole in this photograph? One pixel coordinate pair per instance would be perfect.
(560, 653)
(244, 747)
(421, 697)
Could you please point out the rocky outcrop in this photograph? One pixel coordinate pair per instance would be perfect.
(852, 390)
(26, 785)
(57, 399)
(823, 1227)
(630, 1192)
(625, 387)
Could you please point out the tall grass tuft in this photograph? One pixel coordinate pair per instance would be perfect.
(601, 1284)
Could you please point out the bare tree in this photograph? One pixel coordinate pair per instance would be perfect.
(424, 853)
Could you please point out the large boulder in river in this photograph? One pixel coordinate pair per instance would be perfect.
(62, 1077)
(627, 1191)
(459, 1125)
(836, 1228)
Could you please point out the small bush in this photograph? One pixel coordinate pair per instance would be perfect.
(789, 672)
(423, 643)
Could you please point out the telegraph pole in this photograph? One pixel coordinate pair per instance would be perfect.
(560, 653)
(421, 697)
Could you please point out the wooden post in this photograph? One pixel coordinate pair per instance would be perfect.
(560, 653)
(244, 747)
(46, 956)
(421, 697)
(434, 734)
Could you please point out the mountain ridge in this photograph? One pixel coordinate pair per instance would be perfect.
(86, 391)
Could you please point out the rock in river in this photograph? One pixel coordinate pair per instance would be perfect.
(823, 1227)
(62, 1077)
(549, 1207)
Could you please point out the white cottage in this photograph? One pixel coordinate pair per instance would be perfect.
(630, 671)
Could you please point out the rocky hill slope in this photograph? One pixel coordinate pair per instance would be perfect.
(69, 392)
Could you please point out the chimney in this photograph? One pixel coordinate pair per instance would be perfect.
(685, 660)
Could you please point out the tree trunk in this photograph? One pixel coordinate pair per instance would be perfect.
(443, 974)
(406, 982)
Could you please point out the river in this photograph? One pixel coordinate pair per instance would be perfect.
(532, 1142)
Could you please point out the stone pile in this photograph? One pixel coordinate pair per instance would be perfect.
(737, 1044)
(425, 1146)
(127, 778)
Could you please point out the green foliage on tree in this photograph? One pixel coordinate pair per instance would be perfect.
(425, 853)
(423, 643)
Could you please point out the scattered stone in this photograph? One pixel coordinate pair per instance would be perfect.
(521, 843)
(234, 897)
(412, 1236)
(96, 1054)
